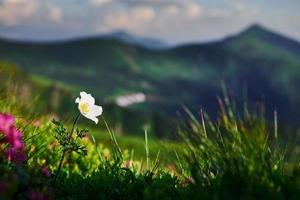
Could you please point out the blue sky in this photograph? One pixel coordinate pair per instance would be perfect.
(173, 21)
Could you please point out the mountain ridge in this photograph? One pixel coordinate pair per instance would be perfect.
(185, 75)
(123, 36)
(263, 33)
(120, 36)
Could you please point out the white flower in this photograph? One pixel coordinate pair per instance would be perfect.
(87, 107)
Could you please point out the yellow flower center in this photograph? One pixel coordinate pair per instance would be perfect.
(84, 108)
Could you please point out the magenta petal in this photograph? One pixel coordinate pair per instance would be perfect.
(15, 155)
(6, 121)
(18, 144)
(15, 152)
(9, 154)
(45, 172)
(14, 138)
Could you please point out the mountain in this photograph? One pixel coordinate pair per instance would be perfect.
(135, 40)
(259, 32)
(264, 63)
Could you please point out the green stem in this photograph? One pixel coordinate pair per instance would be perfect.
(147, 151)
(64, 151)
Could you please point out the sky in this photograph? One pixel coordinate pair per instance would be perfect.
(172, 21)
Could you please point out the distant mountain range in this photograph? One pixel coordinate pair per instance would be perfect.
(135, 40)
(257, 62)
(120, 36)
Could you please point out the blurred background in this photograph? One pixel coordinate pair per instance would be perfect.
(144, 60)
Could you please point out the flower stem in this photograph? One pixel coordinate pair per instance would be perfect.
(65, 151)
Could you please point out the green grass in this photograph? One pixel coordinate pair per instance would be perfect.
(45, 82)
(137, 144)
(237, 156)
(50, 96)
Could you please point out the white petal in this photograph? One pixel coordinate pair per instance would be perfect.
(83, 94)
(91, 117)
(96, 110)
(77, 100)
(95, 120)
(91, 100)
(87, 98)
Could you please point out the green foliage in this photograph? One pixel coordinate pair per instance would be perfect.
(120, 183)
(234, 157)
(66, 141)
(237, 158)
(48, 96)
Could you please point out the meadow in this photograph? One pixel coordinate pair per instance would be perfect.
(236, 156)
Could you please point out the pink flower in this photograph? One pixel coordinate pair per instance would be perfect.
(45, 171)
(6, 121)
(14, 138)
(15, 155)
(15, 152)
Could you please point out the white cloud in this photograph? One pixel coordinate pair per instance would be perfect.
(55, 14)
(99, 2)
(143, 13)
(189, 19)
(171, 10)
(234, 10)
(130, 19)
(193, 10)
(14, 11)
(14, 1)
(149, 18)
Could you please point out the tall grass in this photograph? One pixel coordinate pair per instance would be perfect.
(233, 157)
(237, 158)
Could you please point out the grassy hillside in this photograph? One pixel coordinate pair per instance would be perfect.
(235, 157)
(41, 98)
(266, 64)
(52, 97)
